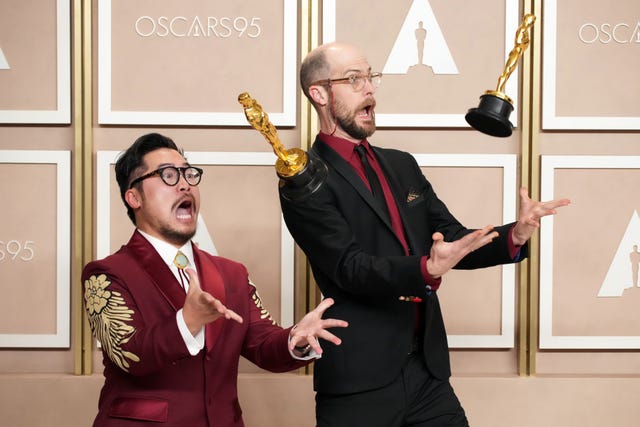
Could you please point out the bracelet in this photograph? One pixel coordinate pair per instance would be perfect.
(303, 350)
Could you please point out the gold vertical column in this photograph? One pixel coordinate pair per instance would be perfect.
(307, 297)
(525, 101)
(534, 185)
(83, 170)
(310, 33)
(530, 104)
(77, 196)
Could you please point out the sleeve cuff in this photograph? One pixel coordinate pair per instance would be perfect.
(194, 343)
(307, 355)
(514, 251)
(431, 282)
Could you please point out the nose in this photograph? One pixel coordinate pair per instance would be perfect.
(183, 185)
(369, 87)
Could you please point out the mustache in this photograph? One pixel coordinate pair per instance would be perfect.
(368, 103)
(186, 198)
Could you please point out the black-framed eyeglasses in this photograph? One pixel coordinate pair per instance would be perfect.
(356, 81)
(170, 175)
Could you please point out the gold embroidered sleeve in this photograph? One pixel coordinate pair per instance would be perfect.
(109, 318)
(264, 313)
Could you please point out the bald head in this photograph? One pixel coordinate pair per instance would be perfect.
(325, 60)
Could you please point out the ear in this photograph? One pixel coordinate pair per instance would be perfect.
(132, 198)
(319, 94)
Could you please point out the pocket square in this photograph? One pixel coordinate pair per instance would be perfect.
(412, 195)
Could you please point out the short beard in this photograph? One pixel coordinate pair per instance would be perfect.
(176, 237)
(348, 123)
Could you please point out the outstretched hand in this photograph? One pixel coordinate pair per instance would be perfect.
(201, 307)
(530, 213)
(444, 255)
(313, 326)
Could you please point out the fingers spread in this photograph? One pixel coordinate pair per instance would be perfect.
(324, 304)
(437, 236)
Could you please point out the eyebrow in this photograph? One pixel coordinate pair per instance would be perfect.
(161, 165)
(356, 70)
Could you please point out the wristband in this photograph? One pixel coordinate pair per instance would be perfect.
(303, 350)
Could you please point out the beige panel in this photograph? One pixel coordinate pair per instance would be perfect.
(474, 33)
(197, 139)
(597, 50)
(587, 237)
(28, 41)
(36, 138)
(28, 250)
(31, 200)
(471, 300)
(594, 78)
(175, 56)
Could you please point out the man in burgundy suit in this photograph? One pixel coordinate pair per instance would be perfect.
(174, 320)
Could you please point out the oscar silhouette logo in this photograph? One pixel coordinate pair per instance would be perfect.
(492, 115)
(300, 175)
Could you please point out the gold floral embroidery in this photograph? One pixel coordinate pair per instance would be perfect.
(264, 313)
(108, 318)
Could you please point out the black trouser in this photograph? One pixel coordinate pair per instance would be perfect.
(415, 398)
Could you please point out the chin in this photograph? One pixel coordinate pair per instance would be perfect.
(179, 237)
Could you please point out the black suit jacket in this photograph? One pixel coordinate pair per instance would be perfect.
(358, 261)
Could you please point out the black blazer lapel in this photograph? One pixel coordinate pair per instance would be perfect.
(346, 171)
(399, 194)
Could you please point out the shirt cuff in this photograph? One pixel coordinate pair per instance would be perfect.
(194, 343)
(431, 282)
(514, 251)
(310, 355)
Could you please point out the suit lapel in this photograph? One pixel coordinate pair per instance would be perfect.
(349, 174)
(400, 198)
(211, 281)
(157, 270)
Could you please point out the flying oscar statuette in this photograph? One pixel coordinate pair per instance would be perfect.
(299, 173)
(492, 114)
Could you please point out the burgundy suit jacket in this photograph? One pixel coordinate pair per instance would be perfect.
(132, 298)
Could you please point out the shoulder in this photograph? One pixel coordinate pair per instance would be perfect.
(392, 154)
(222, 263)
(120, 260)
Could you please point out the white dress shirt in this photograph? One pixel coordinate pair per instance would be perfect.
(168, 252)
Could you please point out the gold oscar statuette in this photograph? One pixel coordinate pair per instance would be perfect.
(300, 175)
(492, 115)
(290, 161)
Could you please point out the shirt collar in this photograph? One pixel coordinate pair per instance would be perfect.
(168, 252)
(342, 146)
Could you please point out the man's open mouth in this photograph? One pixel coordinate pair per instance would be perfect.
(185, 209)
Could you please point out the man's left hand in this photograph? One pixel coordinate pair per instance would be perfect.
(530, 213)
(313, 326)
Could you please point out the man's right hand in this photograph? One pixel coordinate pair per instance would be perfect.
(445, 255)
(201, 307)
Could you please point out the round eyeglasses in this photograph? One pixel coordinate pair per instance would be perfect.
(357, 81)
(170, 175)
